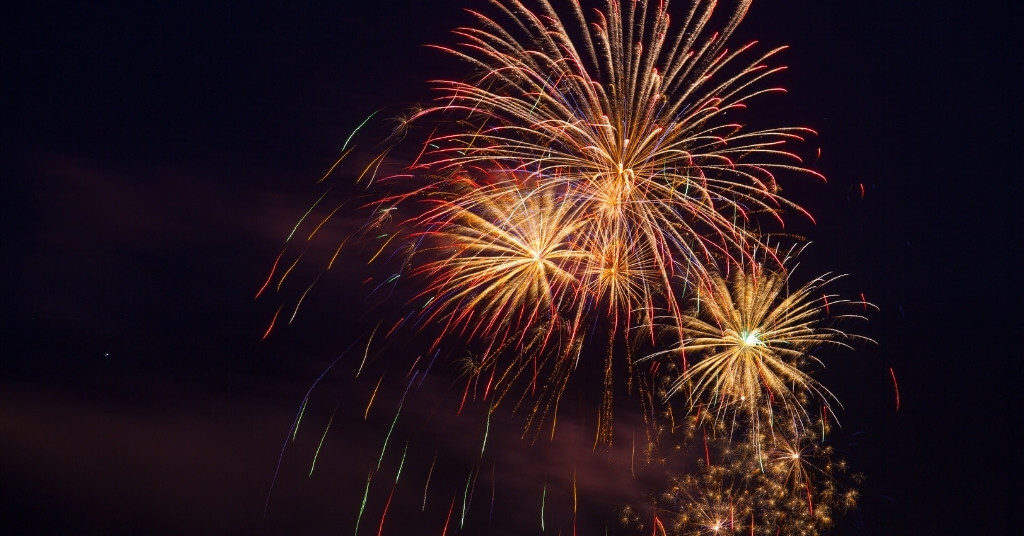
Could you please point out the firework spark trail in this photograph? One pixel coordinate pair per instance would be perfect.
(366, 353)
(895, 386)
(574, 501)
(387, 505)
(543, 503)
(373, 396)
(487, 431)
(494, 491)
(466, 496)
(270, 276)
(298, 418)
(449, 518)
(298, 304)
(395, 420)
(321, 443)
(272, 322)
(427, 485)
(362, 505)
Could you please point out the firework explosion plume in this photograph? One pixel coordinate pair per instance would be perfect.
(585, 172)
(754, 337)
(626, 120)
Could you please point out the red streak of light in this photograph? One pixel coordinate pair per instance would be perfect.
(810, 505)
(464, 394)
(707, 453)
(658, 523)
(382, 516)
(896, 386)
(533, 381)
(393, 328)
(449, 518)
(270, 275)
(490, 381)
(413, 367)
(272, 321)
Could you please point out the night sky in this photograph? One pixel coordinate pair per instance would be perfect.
(155, 159)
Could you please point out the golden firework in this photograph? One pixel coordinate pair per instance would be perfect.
(753, 337)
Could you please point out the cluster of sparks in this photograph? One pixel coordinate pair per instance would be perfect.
(789, 489)
(592, 174)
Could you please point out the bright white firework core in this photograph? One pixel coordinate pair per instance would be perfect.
(750, 338)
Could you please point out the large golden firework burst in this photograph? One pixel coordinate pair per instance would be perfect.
(622, 132)
(593, 168)
(636, 117)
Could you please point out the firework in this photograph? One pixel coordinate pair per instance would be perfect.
(586, 171)
(629, 113)
(755, 336)
(784, 482)
(587, 180)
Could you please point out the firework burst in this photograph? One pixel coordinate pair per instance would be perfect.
(638, 118)
(587, 170)
(755, 336)
(587, 181)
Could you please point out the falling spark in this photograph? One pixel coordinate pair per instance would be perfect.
(449, 518)
(427, 485)
(271, 274)
(272, 322)
(896, 386)
(543, 502)
(487, 431)
(297, 224)
(321, 444)
(366, 353)
(373, 396)
(362, 506)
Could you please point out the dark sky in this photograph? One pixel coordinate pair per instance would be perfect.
(156, 158)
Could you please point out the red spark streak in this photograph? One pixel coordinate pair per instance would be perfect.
(896, 386)
(272, 321)
(449, 518)
(810, 505)
(382, 516)
(707, 453)
(270, 275)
